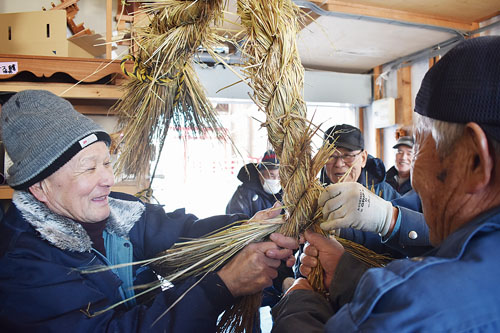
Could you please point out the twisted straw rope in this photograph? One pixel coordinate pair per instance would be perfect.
(277, 77)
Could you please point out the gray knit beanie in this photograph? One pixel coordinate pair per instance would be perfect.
(41, 132)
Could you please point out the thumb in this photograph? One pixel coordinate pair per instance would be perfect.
(317, 240)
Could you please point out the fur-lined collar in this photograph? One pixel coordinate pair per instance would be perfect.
(67, 234)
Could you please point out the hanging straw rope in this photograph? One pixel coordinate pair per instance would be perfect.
(163, 86)
(276, 73)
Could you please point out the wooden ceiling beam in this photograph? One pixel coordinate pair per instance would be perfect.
(392, 14)
(308, 16)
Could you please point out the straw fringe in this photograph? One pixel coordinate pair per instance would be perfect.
(163, 87)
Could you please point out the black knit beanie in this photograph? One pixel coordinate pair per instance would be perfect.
(464, 86)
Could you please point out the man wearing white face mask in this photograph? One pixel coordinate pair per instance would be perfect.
(260, 188)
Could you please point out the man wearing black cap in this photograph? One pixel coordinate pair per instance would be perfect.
(387, 223)
(456, 172)
(260, 188)
(398, 176)
(64, 219)
(353, 170)
(351, 163)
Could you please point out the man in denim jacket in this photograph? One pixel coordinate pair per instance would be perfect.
(456, 172)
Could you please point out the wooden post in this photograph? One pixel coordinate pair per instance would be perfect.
(109, 27)
(404, 110)
(361, 117)
(378, 93)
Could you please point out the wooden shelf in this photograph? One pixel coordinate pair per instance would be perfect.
(6, 191)
(87, 97)
(80, 69)
(67, 90)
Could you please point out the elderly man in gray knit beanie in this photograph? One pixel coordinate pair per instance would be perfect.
(64, 218)
(41, 133)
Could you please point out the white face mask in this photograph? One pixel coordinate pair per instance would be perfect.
(272, 186)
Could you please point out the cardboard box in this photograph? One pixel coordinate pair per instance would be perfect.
(38, 33)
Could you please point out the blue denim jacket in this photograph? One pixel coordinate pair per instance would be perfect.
(455, 288)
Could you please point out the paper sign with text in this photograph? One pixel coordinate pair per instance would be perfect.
(8, 68)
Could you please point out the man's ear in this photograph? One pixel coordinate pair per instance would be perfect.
(479, 160)
(38, 192)
(364, 158)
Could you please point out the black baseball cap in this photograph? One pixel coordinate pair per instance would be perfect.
(345, 136)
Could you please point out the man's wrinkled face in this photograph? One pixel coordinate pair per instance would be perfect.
(404, 155)
(80, 188)
(345, 162)
(437, 180)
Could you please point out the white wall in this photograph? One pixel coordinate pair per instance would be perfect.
(495, 31)
(319, 86)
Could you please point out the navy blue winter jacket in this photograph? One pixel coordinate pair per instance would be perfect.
(392, 179)
(250, 197)
(42, 287)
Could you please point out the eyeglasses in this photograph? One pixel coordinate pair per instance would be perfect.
(404, 152)
(347, 158)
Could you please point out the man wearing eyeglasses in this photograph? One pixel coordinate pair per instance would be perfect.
(362, 206)
(350, 162)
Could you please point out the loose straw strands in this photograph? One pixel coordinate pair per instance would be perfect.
(198, 256)
(276, 73)
(163, 86)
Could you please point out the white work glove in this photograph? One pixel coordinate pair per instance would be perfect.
(351, 205)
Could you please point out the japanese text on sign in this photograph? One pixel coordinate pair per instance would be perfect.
(8, 68)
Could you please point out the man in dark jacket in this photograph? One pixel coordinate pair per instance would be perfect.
(64, 219)
(260, 188)
(351, 162)
(456, 172)
(398, 176)
(372, 226)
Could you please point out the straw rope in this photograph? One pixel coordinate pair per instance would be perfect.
(163, 87)
(274, 67)
(142, 74)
